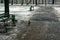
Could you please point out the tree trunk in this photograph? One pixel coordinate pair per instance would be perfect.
(6, 2)
(53, 1)
(12, 2)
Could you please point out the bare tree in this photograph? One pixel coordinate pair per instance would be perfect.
(6, 2)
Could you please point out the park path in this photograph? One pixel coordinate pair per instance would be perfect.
(45, 25)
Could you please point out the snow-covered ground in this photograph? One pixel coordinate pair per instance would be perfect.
(57, 10)
(17, 8)
(21, 11)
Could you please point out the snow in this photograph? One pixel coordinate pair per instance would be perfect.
(57, 9)
(20, 11)
(17, 8)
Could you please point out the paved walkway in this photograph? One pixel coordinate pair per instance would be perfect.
(45, 25)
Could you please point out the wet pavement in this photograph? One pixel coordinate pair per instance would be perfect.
(44, 25)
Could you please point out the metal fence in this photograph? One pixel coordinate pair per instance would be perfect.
(32, 1)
